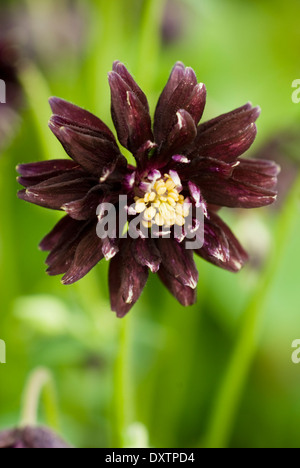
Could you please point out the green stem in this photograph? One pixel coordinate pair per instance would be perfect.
(231, 389)
(40, 383)
(123, 412)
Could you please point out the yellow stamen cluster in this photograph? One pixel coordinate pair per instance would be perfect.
(163, 205)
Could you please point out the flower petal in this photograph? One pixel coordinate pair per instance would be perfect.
(62, 254)
(259, 172)
(221, 246)
(86, 207)
(61, 231)
(178, 261)
(146, 254)
(88, 254)
(79, 117)
(127, 279)
(184, 294)
(181, 92)
(130, 117)
(57, 191)
(181, 135)
(121, 70)
(110, 247)
(227, 136)
(244, 189)
(34, 173)
(96, 154)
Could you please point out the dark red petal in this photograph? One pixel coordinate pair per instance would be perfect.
(130, 117)
(184, 294)
(110, 247)
(146, 253)
(197, 102)
(46, 168)
(175, 78)
(202, 168)
(57, 191)
(127, 279)
(228, 136)
(178, 261)
(62, 254)
(121, 70)
(95, 154)
(258, 172)
(170, 102)
(182, 134)
(240, 190)
(86, 207)
(212, 122)
(221, 246)
(64, 229)
(88, 254)
(79, 117)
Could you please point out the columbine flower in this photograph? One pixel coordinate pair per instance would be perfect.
(31, 437)
(180, 166)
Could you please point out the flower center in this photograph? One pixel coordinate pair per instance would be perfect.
(162, 204)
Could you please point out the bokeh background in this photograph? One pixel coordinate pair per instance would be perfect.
(216, 374)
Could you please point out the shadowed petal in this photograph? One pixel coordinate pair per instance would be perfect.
(178, 261)
(181, 135)
(228, 136)
(34, 173)
(86, 207)
(127, 279)
(130, 117)
(88, 254)
(62, 253)
(96, 154)
(57, 191)
(63, 230)
(221, 246)
(184, 294)
(146, 253)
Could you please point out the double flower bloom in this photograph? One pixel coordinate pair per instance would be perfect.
(180, 166)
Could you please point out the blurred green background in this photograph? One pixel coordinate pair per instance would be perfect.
(218, 373)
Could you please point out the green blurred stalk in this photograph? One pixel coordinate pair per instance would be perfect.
(123, 404)
(231, 389)
(40, 384)
(38, 93)
(149, 43)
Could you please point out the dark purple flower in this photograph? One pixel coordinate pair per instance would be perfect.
(31, 437)
(181, 166)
